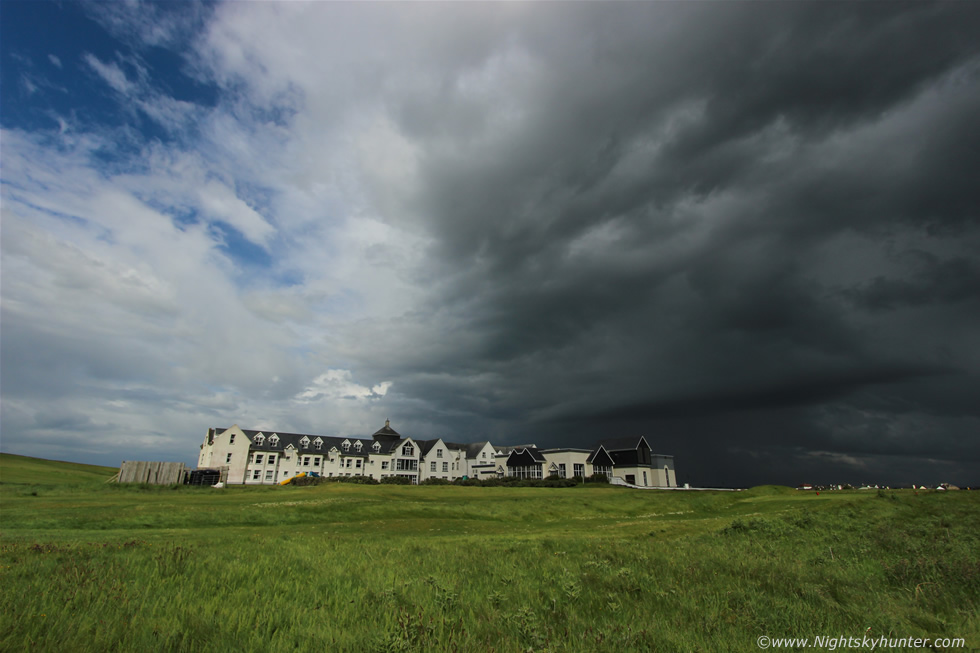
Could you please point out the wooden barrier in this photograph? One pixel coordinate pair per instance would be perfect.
(154, 473)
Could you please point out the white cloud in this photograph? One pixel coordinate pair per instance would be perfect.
(221, 203)
(339, 384)
(111, 74)
(55, 61)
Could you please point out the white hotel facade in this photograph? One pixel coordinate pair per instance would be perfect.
(249, 457)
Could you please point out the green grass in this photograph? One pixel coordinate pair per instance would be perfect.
(21, 470)
(104, 567)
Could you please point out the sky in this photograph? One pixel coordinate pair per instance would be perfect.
(747, 231)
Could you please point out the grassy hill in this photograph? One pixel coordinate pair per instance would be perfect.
(23, 470)
(95, 567)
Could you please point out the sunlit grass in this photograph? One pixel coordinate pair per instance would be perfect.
(392, 568)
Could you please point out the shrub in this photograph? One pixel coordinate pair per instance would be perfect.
(503, 481)
(598, 478)
(556, 481)
(436, 481)
(359, 480)
(396, 480)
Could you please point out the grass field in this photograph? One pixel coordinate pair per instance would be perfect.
(90, 566)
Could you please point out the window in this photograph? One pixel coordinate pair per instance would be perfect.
(599, 469)
(231, 440)
(259, 439)
(561, 470)
(579, 469)
(228, 458)
(305, 442)
(306, 461)
(347, 462)
(376, 446)
(357, 445)
(438, 453)
(408, 450)
(274, 440)
(432, 466)
(445, 467)
(255, 475)
(286, 474)
(316, 461)
(358, 463)
(406, 465)
(525, 472)
(258, 459)
(346, 445)
(384, 464)
(644, 478)
(484, 455)
(268, 475)
(318, 444)
(272, 459)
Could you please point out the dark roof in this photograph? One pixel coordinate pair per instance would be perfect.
(386, 431)
(527, 456)
(472, 449)
(505, 450)
(600, 454)
(425, 446)
(286, 439)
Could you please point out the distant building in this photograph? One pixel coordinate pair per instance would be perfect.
(632, 459)
(267, 457)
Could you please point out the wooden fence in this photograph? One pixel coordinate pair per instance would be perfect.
(155, 473)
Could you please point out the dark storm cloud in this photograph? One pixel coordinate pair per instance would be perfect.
(713, 210)
(748, 231)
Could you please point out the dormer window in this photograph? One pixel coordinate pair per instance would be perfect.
(376, 446)
(318, 444)
(305, 442)
(408, 450)
(259, 439)
(274, 440)
(346, 445)
(357, 445)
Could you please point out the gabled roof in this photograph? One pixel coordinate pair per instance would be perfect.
(425, 446)
(526, 456)
(600, 454)
(472, 450)
(294, 439)
(507, 450)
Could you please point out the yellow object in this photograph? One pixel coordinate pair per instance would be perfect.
(287, 481)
